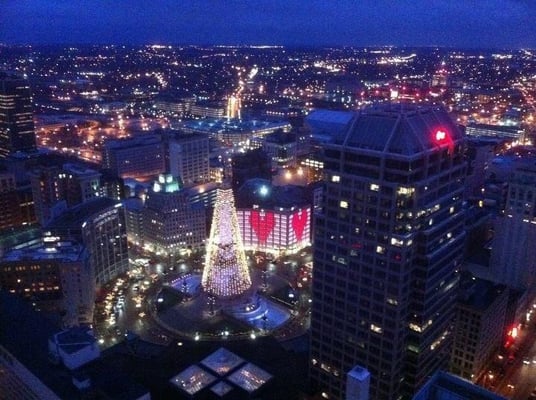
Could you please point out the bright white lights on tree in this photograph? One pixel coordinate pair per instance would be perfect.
(226, 271)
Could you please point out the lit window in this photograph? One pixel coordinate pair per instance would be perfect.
(397, 242)
(343, 204)
(375, 328)
(335, 178)
(392, 301)
(405, 190)
(374, 187)
(380, 250)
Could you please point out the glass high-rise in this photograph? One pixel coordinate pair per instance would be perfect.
(387, 245)
(16, 115)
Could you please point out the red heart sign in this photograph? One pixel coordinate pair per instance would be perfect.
(262, 224)
(299, 220)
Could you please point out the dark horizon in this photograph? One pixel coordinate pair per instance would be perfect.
(492, 24)
(265, 46)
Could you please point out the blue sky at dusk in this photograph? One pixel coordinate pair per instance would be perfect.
(457, 23)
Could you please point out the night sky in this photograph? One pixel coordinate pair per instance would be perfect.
(454, 23)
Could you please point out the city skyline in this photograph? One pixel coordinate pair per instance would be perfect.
(291, 23)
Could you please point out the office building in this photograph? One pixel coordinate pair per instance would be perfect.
(100, 225)
(134, 220)
(18, 382)
(237, 133)
(56, 188)
(189, 158)
(479, 328)
(513, 254)
(171, 224)
(495, 131)
(56, 275)
(140, 157)
(16, 115)
(249, 165)
(208, 109)
(274, 219)
(281, 147)
(444, 386)
(9, 202)
(387, 245)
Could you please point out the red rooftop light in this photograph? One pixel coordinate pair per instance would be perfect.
(440, 135)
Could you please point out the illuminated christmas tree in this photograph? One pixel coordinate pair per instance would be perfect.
(226, 271)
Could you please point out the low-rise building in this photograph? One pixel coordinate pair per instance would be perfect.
(73, 347)
(479, 326)
(56, 276)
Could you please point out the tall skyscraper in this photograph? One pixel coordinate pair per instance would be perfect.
(16, 115)
(387, 245)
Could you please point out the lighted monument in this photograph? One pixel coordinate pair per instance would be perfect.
(226, 273)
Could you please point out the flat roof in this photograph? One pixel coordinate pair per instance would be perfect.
(222, 361)
(221, 388)
(69, 252)
(211, 125)
(250, 377)
(193, 379)
(74, 339)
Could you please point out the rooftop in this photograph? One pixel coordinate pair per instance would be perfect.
(74, 339)
(222, 361)
(142, 140)
(232, 126)
(193, 379)
(76, 216)
(444, 386)
(62, 251)
(250, 377)
(478, 293)
(261, 192)
(402, 129)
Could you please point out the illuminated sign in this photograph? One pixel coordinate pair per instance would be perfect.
(262, 223)
(270, 229)
(299, 220)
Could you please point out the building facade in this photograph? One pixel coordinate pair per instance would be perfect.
(137, 157)
(444, 386)
(189, 158)
(513, 254)
(100, 225)
(171, 223)
(70, 184)
(9, 202)
(16, 115)
(479, 327)
(57, 275)
(275, 219)
(387, 245)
